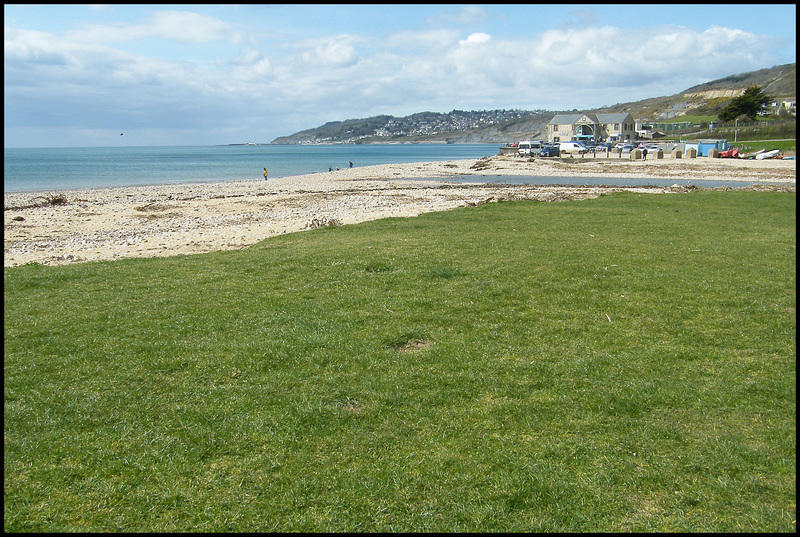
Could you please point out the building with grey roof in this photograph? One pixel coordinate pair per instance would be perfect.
(595, 127)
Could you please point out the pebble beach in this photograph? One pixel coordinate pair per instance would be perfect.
(165, 220)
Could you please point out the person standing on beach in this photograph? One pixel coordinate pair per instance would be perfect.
(644, 153)
(351, 163)
(265, 174)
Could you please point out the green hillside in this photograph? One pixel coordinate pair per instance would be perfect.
(502, 126)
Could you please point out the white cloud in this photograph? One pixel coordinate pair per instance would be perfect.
(325, 53)
(181, 26)
(84, 80)
(477, 38)
(23, 47)
(251, 66)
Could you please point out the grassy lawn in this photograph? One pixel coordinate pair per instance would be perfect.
(786, 146)
(618, 364)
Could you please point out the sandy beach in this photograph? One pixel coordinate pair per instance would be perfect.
(113, 223)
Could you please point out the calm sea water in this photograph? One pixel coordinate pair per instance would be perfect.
(54, 169)
(46, 169)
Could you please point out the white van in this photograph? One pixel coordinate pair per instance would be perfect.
(573, 147)
(529, 148)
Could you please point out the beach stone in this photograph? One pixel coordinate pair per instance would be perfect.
(324, 221)
(215, 216)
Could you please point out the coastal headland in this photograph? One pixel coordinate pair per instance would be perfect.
(165, 220)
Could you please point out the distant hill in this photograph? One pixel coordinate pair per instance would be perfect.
(502, 126)
(777, 81)
(712, 97)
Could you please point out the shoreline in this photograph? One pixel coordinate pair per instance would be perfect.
(181, 219)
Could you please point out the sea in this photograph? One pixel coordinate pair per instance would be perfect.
(61, 168)
(55, 169)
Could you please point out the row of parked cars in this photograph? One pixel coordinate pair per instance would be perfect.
(532, 148)
(628, 147)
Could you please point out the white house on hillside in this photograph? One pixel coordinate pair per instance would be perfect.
(609, 127)
(789, 104)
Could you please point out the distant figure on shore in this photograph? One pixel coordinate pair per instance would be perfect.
(265, 174)
(644, 153)
(330, 168)
(351, 163)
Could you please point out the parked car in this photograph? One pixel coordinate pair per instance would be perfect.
(550, 151)
(627, 148)
(529, 148)
(572, 147)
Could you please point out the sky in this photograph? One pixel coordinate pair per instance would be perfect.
(160, 75)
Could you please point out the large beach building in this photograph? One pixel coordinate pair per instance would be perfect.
(618, 127)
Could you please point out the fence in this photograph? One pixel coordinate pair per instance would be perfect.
(746, 129)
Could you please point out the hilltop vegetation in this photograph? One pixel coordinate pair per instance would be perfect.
(778, 80)
(711, 98)
(454, 126)
(501, 126)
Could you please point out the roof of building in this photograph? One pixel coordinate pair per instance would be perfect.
(565, 119)
(619, 117)
(571, 119)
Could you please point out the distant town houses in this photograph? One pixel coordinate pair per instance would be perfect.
(619, 127)
(421, 124)
(457, 120)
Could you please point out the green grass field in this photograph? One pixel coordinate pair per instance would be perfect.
(619, 364)
(787, 147)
